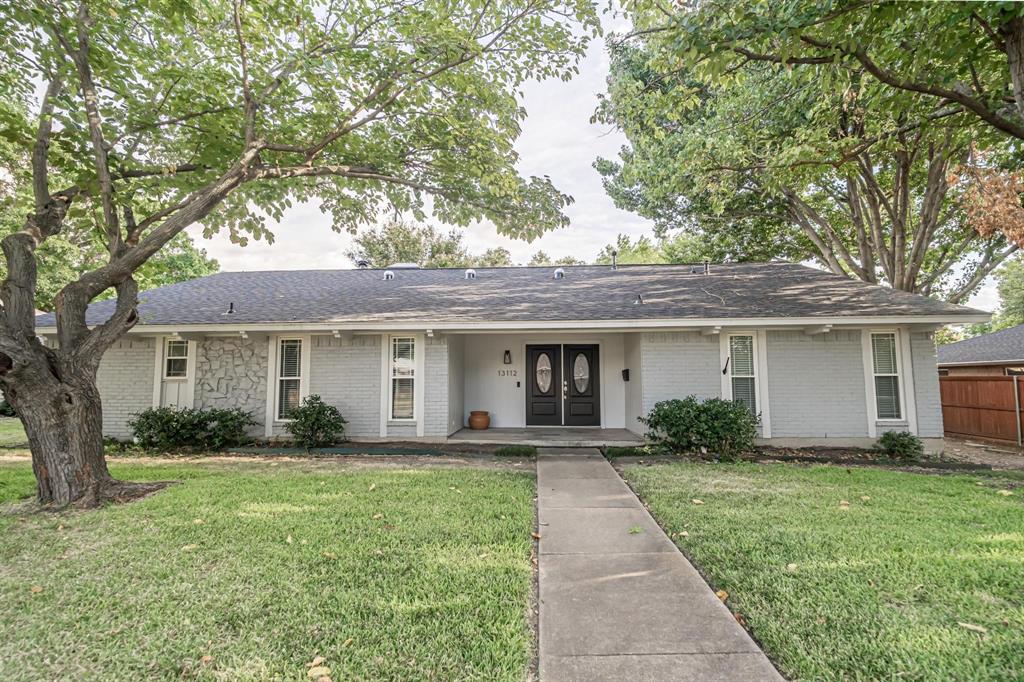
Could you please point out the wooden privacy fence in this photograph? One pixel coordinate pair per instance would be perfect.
(983, 406)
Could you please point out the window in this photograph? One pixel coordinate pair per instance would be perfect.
(289, 376)
(176, 360)
(886, 368)
(403, 377)
(741, 363)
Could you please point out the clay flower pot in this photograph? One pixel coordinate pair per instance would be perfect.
(479, 420)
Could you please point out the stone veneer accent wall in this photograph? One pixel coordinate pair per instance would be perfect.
(232, 372)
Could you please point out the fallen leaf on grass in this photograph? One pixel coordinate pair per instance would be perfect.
(722, 594)
(35, 589)
(206, 659)
(1005, 493)
(189, 548)
(375, 517)
(696, 501)
(972, 627)
(198, 522)
(330, 555)
(347, 642)
(865, 498)
(843, 504)
(740, 619)
(535, 536)
(289, 540)
(373, 486)
(318, 672)
(319, 660)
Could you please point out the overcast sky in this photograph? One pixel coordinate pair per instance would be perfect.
(557, 140)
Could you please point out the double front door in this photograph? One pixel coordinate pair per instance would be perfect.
(563, 387)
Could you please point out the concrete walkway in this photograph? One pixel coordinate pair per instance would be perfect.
(617, 599)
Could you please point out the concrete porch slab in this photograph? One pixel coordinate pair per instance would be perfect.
(570, 437)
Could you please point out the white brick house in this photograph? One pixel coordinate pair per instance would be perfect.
(406, 354)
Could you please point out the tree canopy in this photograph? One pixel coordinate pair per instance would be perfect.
(400, 241)
(962, 56)
(765, 160)
(158, 115)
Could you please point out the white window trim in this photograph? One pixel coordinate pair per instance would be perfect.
(417, 351)
(419, 388)
(188, 357)
(905, 373)
(760, 373)
(273, 376)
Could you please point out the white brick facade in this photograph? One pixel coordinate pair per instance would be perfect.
(815, 384)
(125, 381)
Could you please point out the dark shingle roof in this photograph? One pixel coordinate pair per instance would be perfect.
(730, 291)
(1002, 346)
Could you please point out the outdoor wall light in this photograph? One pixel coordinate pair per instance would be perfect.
(508, 357)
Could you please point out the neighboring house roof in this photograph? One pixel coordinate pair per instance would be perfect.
(525, 294)
(1006, 345)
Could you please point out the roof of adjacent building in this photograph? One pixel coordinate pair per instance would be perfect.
(518, 294)
(1006, 345)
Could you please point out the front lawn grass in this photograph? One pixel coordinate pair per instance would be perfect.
(12, 433)
(249, 572)
(916, 577)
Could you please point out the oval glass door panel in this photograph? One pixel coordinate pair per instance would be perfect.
(581, 372)
(543, 372)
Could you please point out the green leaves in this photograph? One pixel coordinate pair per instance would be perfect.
(419, 95)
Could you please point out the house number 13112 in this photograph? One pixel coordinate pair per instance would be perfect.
(507, 373)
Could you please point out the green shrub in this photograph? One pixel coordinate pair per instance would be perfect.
(7, 410)
(722, 428)
(516, 451)
(315, 424)
(901, 445)
(171, 427)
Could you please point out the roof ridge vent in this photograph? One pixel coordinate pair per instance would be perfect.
(470, 273)
(559, 273)
(388, 275)
(362, 264)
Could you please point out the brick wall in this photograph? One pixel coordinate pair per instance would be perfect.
(816, 384)
(125, 381)
(435, 387)
(926, 385)
(346, 374)
(679, 364)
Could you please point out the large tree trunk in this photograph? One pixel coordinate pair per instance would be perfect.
(59, 404)
(63, 420)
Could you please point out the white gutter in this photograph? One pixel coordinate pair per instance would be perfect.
(976, 363)
(633, 325)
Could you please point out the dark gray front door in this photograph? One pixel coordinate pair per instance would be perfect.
(581, 386)
(544, 385)
(562, 385)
